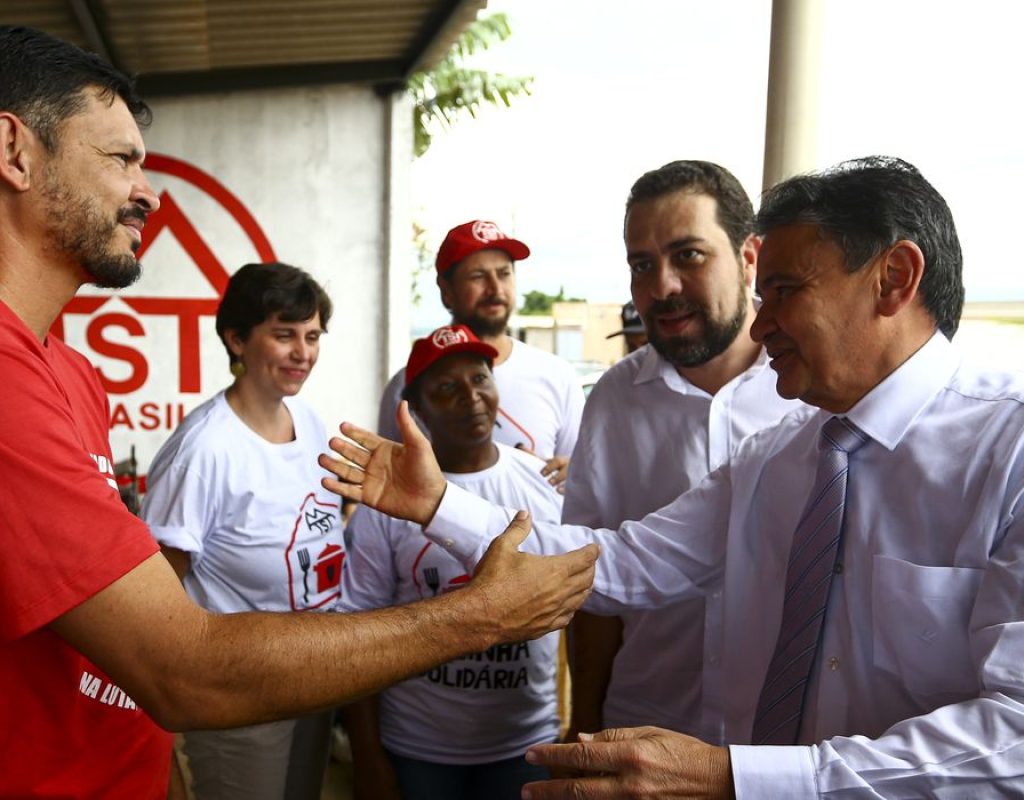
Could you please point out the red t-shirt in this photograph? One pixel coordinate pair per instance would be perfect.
(65, 729)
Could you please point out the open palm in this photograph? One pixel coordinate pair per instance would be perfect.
(400, 480)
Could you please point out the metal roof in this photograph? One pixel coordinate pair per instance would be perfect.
(190, 46)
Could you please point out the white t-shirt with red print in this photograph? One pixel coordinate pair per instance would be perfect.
(483, 707)
(262, 533)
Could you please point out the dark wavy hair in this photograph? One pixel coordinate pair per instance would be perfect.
(734, 211)
(868, 204)
(258, 291)
(43, 81)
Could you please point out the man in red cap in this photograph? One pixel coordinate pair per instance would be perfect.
(541, 398)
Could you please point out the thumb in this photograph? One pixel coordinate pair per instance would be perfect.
(407, 427)
(518, 529)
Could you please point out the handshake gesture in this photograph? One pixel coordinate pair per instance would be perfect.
(522, 595)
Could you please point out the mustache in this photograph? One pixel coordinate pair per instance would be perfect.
(671, 305)
(134, 211)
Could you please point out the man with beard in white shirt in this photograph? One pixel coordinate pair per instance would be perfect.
(659, 421)
(872, 566)
(541, 396)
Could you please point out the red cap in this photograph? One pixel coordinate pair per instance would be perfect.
(443, 342)
(468, 238)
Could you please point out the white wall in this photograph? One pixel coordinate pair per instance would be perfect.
(322, 172)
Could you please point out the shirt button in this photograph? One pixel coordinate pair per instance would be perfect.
(713, 661)
(449, 543)
(833, 663)
(838, 569)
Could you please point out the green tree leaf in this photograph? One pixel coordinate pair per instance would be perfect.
(450, 90)
(537, 303)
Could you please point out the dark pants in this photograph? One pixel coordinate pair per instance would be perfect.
(495, 780)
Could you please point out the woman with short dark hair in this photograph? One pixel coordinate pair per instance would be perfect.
(235, 501)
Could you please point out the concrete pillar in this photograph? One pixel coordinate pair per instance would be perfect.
(399, 254)
(791, 130)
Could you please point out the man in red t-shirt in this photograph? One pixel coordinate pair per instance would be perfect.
(97, 637)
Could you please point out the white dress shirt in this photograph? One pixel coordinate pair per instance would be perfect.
(647, 436)
(918, 689)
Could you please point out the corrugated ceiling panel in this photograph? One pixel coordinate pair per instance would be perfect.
(54, 16)
(161, 37)
(177, 35)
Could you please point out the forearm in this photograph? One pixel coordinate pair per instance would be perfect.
(645, 564)
(345, 656)
(977, 746)
(192, 669)
(373, 776)
(362, 723)
(593, 644)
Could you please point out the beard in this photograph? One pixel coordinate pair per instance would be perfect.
(485, 326)
(81, 231)
(714, 338)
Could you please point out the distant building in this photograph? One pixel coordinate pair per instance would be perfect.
(575, 331)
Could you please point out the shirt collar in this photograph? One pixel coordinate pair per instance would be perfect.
(887, 411)
(650, 366)
(654, 366)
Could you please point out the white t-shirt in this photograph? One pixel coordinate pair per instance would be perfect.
(541, 403)
(648, 435)
(263, 534)
(483, 707)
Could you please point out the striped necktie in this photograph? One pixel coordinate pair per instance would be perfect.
(812, 562)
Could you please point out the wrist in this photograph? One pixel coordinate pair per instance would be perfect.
(475, 622)
(431, 505)
(720, 774)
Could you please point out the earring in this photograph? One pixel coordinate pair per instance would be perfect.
(237, 369)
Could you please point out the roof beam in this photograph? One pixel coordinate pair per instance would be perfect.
(239, 78)
(439, 30)
(88, 21)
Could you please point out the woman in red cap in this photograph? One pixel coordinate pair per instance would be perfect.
(460, 730)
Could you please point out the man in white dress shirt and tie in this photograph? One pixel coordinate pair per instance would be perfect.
(912, 462)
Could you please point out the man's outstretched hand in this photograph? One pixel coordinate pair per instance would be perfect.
(400, 480)
(521, 596)
(528, 595)
(646, 762)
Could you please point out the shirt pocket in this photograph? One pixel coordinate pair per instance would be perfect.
(921, 617)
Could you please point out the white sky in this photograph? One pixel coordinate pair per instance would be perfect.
(624, 87)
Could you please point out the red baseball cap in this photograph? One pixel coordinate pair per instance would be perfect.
(443, 342)
(466, 239)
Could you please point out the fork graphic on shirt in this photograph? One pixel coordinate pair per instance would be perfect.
(432, 579)
(304, 562)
